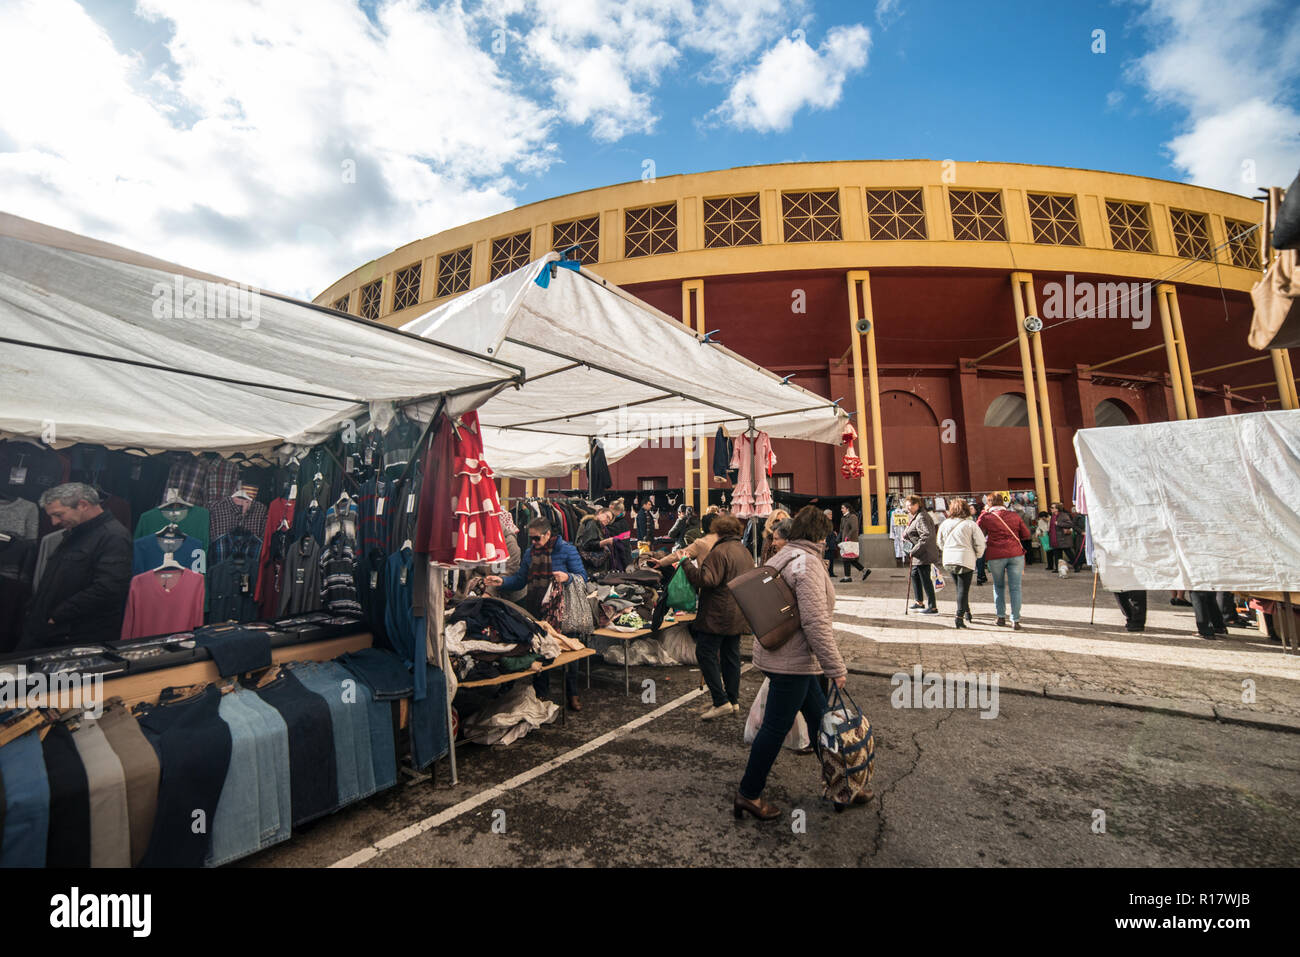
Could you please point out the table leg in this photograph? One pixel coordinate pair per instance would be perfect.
(627, 680)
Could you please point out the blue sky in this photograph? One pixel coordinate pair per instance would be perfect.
(284, 149)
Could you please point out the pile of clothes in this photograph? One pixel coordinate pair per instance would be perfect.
(489, 637)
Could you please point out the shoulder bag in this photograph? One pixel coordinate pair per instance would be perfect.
(768, 604)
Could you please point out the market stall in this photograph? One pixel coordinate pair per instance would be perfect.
(1203, 505)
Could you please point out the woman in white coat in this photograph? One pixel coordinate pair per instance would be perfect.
(962, 543)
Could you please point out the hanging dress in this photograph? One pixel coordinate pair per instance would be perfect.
(752, 496)
(480, 540)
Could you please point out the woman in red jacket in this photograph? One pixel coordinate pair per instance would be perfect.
(1004, 556)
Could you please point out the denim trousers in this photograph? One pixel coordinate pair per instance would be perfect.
(787, 695)
(236, 826)
(345, 755)
(1007, 574)
(962, 577)
(381, 683)
(382, 671)
(313, 771)
(27, 802)
(1209, 618)
(429, 735)
(719, 658)
(357, 701)
(923, 584)
(274, 796)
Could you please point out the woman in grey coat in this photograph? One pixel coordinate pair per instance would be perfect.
(923, 537)
(795, 669)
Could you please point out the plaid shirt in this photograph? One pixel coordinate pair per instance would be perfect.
(220, 481)
(227, 514)
(237, 543)
(186, 477)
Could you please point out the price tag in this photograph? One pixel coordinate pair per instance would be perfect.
(379, 506)
(404, 576)
(410, 502)
(18, 475)
(374, 580)
(349, 464)
(243, 584)
(299, 576)
(293, 491)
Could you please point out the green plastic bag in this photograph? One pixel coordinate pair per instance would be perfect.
(681, 595)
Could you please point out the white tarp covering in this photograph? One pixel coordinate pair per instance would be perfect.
(532, 455)
(600, 362)
(1204, 505)
(326, 368)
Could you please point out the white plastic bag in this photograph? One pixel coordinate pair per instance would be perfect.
(849, 549)
(796, 740)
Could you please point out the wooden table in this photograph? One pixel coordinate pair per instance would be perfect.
(1283, 617)
(680, 618)
(565, 658)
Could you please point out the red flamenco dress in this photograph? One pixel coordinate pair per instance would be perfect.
(480, 540)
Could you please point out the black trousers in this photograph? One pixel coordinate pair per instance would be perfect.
(719, 660)
(1209, 619)
(922, 583)
(846, 562)
(1227, 605)
(1134, 606)
(962, 576)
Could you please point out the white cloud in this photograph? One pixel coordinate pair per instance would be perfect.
(791, 76)
(254, 187)
(1228, 68)
(887, 11)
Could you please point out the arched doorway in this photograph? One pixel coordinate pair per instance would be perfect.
(1112, 412)
(1007, 411)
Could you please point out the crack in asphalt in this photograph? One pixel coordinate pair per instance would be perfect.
(880, 798)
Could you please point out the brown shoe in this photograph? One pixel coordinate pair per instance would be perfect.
(1002, 622)
(761, 809)
(575, 704)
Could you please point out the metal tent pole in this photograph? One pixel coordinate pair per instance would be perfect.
(437, 586)
(752, 432)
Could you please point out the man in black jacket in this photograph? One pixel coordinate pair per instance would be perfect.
(645, 521)
(83, 590)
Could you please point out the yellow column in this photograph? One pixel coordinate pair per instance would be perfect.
(1184, 364)
(1031, 401)
(696, 464)
(1044, 397)
(573, 478)
(503, 488)
(1171, 350)
(1286, 391)
(873, 456)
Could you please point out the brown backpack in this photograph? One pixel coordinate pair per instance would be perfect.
(768, 605)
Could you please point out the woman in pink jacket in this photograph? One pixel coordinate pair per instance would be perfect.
(795, 669)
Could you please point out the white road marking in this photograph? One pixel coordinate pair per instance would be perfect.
(483, 797)
(1190, 655)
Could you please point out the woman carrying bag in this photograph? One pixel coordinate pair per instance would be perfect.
(718, 621)
(795, 668)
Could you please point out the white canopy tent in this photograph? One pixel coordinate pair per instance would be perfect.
(106, 346)
(1203, 505)
(601, 363)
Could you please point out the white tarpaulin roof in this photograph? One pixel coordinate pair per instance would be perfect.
(600, 362)
(1204, 505)
(278, 371)
(533, 455)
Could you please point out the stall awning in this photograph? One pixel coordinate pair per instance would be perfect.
(102, 345)
(534, 455)
(1202, 505)
(600, 362)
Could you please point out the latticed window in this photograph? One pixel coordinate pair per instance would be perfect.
(341, 304)
(732, 221)
(1191, 234)
(510, 253)
(1054, 219)
(650, 231)
(406, 287)
(453, 272)
(1241, 243)
(1130, 226)
(895, 214)
(977, 214)
(812, 217)
(372, 297)
(585, 233)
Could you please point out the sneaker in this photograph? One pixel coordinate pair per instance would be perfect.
(1015, 626)
(865, 573)
(845, 579)
(930, 611)
(1002, 622)
(717, 712)
(981, 581)
(1180, 602)
(917, 604)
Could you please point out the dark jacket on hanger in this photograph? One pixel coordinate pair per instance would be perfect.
(598, 477)
(721, 454)
(83, 587)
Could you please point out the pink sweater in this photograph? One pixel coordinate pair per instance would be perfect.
(812, 649)
(153, 609)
